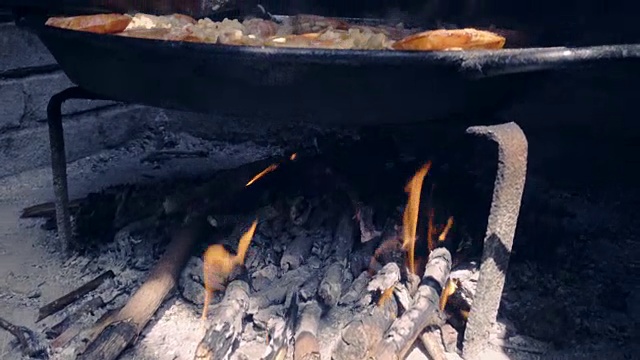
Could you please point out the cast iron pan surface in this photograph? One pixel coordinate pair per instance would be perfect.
(333, 86)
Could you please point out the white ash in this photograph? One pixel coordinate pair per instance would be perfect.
(468, 276)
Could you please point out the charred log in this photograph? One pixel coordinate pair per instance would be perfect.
(423, 313)
(222, 336)
(371, 322)
(330, 288)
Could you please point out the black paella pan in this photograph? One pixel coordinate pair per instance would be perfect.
(337, 86)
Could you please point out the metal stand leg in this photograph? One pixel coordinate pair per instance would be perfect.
(59, 161)
(503, 218)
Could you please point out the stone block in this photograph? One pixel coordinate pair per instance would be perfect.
(12, 105)
(20, 49)
(85, 134)
(30, 95)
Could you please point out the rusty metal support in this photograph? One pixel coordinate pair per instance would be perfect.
(59, 161)
(501, 227)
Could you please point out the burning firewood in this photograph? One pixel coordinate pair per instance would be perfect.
(219, 264)
(222, 336)
(330, 288)
(368, 326)
(424, 312)
(110, 336)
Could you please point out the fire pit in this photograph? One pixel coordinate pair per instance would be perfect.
(312, 275)
(308, 255)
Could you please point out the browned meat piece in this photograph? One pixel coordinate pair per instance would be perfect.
(100, 23)
(459, 39)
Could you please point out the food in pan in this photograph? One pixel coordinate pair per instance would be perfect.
(300, 31)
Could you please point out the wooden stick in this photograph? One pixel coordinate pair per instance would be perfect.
(74, 330)
(220, 340)
(330, 288)
(424, 312)
(372, 321)
(306, 345)
(108, 338)
(47, 210)
(26, 338)
(60, 303)
(433, 345)
(89, 306)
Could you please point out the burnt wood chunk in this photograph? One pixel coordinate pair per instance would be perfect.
(354, 293)
(306, 345)
(297, 251)
(372, 320)
(289, 282)
(423, 313)
(223, 334)
(330, 289)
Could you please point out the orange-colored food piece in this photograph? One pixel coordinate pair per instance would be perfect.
(100, 23)
(460, 39)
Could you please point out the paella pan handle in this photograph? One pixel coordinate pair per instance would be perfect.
(508, 61)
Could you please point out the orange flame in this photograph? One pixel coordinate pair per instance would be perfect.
(447, 228)
(410, 216)
(293, 156)
(219, 263)
(450, 287)
(386, 296)
(262, 173)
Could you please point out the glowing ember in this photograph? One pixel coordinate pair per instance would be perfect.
(410, 216)
(219, 263)
(262, 173)
(293, 156)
